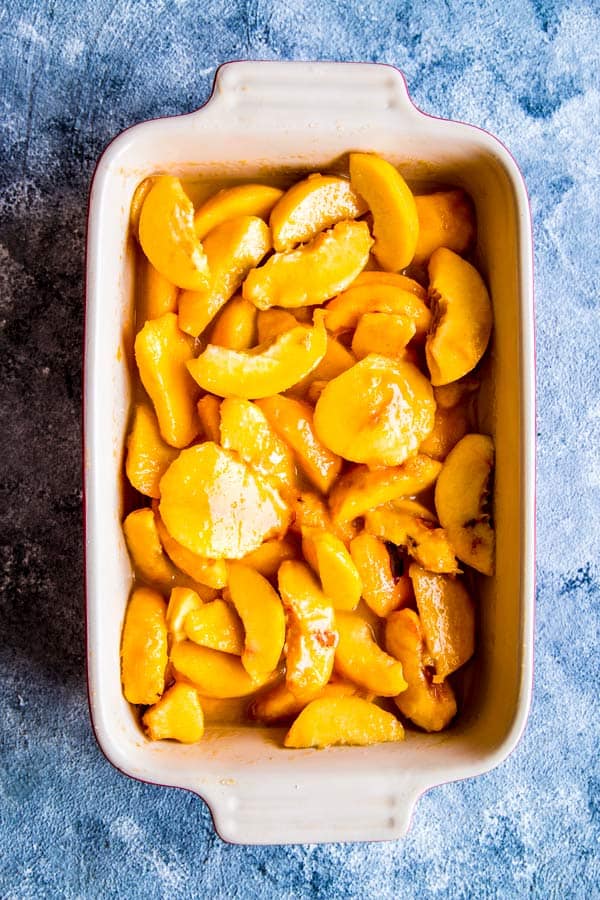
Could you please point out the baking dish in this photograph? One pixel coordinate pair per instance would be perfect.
(265, 118)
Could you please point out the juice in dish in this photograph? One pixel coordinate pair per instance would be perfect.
(311, 489)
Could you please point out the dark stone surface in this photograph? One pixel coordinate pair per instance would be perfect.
(72, 75)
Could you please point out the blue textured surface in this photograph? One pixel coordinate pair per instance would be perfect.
(72, 75)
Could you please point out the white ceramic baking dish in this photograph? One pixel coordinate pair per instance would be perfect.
(266, 117)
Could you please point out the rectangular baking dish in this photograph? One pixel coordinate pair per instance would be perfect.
(264, 118)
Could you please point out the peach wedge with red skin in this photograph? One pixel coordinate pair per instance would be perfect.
(265, 370)
(388, 409)
(343, 720)
(263, 618)
(462, 317)
(177, 716)
(430, 706)
(315, 272)
(167, 235)
(418, 534)
(311, 206)
(232, 250)
(231, 203)
(359, 658)
(461, 498)
(395, 218)
(311, 633)
(144, 647)
(380, 590)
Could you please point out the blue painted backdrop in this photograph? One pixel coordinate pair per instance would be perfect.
(72, 75)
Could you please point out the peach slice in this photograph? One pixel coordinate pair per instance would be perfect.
(384, 333)
(393, 278)
(177, 716)
(311, 635)
(292, 420)
(450, 395)
(336, 360)
(144, 647)
(145, 548)
(217, 507)
(362, 489)
(216, 625)
(235, 325)
(309, 511)
(265, 370)
(269, 556)
(232, 250)
(273, 322)
(161, 353)
(311, 206)
(461, 497)
(446, 219)
(344, 312)
(211, 572)
(181, 602)
(425, 542)
(278, 703)
(137, 201)
(167, 236)
(148, 456)
(462, 317)
(447, 615)
(380, 590)
(335, 567)
(430, 706)
(155, 295)
(343, 720)
(449, 426)
(388, 409)
(314, 273)
(395, 218)
(359, 658)
(231, 203)
(245, 429)
(209, 414)
(213, 673)
(260, 609)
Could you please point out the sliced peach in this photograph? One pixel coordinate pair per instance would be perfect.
(449, 426)
(213, 673)
(278, 703)
(232, 250)
(461, 391)
(167, 236)
(245, 429)
(335, 567)
(273, 322)
(380, 590)
(393, 278)
(235, 325)
(395, 219)
(292, 420)
(384, 333)
(359, 658)
(388, 409)
(181, 602)
(144, 647)
(429, 705)
(177, 716)
(425, 542)
(148, 456)
(137, 201)
(211, 572)
(362, 489)
(314, 273)
(161, 353)
(337, 359)
(145, 548)
(343, 720)
(231, 203)
(216, 506)
(461, 500)
(209, 414)
(447, 615)
(155, 295)
(269, 556)
(311, 206)
(260, 609)
(309, 511)
(265, 370)
(311, 635)
(462, 317)
(345, 310)
(216, 625)
(446, 219)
